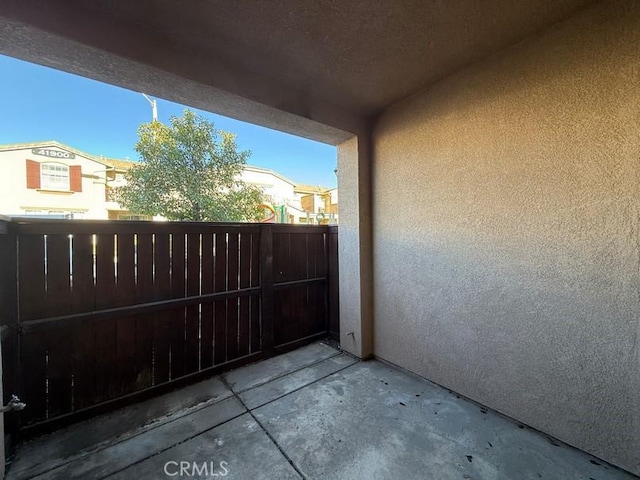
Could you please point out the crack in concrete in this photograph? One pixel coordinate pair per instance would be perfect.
(250, 411)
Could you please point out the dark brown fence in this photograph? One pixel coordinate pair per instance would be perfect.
(97, 312)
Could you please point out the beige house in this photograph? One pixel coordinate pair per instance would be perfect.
(51, 179)
(487, 165)
(115, 178)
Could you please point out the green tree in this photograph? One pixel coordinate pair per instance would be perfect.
(189, 171)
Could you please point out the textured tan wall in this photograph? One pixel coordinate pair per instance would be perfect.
(354, 247)
(515, 279)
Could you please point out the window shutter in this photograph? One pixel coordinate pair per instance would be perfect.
(33, 174)
(75, 178)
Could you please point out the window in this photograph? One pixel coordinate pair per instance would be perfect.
(53, 213)
(122, 216)
(54, 176)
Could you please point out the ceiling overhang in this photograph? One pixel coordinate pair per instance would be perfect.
(321, 69)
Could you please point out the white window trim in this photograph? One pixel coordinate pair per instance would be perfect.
(45, 178)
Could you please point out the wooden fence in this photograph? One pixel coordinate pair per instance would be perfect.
(98, 313)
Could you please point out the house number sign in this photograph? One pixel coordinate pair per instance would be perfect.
(45, 152)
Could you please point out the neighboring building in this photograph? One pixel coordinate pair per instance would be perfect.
(320, 204)
(54, 180)
(331, 201)
(278, 192)
(115, 178)
(51, 179)
(299, 203)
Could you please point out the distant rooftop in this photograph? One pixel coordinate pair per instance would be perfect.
(311, 188)
(118, 164)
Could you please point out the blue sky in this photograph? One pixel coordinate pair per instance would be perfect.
(39, 103)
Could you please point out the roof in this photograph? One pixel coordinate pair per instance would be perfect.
(269, 172)
(52, 143)
(119, 164)
(312, 189)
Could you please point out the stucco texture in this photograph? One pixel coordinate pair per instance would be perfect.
(506, 232)
(354, 247)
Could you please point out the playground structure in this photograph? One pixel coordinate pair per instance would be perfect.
(274, 213)
(279, 214)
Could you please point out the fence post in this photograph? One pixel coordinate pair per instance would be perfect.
(266, 289)
(8, 329)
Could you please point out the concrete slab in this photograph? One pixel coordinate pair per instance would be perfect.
(326, 415)
(263, 372)
(121, 455)
(268, 392)
(374, 421)
(239, 449)
(48, 451)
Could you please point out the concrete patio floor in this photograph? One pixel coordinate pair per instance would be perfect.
(311, 413)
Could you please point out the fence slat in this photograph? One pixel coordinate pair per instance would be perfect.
(144, 350)
(220, 307)
(282, 265)
(144, 324)
(106, 363)
(192, 321)
(31, 278)
(33, 358)
(84, 360)
(255, 259)
(82, 338)
(266, 281)
(162, 289)
(105, 282)
(126, 268)
(315, 255)
(233, 316)
(206, 320)
(59, 374)
(82, 294)
(126, 352)
(256, 324)
(144, 268)
(162, 264)
(244, 320)
(177, 319)
(298, 256)
(161, 348)
(58, 275)
(254, 303)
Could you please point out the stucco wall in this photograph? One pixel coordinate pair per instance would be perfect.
(354, 247)
(514, 277)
